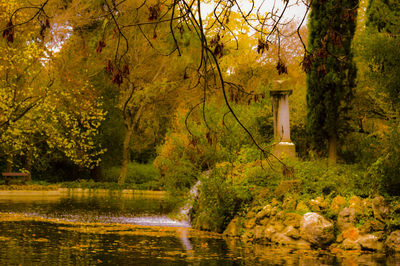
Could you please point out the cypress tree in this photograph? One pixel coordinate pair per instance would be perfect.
(330, 70)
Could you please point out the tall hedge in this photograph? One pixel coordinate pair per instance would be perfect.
(331, 74)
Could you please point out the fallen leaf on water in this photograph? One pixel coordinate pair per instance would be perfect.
(41, 240)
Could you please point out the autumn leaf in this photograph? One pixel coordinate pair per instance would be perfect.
(154, 12)
(262, 46)
(307, 62)
(218, 49)
(281, 67)
(9, 32)
(100, 45)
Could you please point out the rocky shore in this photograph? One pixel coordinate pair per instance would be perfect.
(353, 223)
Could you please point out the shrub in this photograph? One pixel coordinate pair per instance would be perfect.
(385, 170)
(219, 201)
(145, 175)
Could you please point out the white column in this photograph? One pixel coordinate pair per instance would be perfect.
(280, 110)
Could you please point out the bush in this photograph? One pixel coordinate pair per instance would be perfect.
(145, 175)
(319, 179)
(90, 184)
(219, 201)
(178, 175)
(385, 170)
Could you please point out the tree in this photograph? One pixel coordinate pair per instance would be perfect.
(36, 105)
(117, 19)
(331, 71)
(379, 40)
(380, 83)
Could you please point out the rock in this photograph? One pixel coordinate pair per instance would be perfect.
(280, 215)
(233, 228)
(252, 213)
(302, 207)
(379, 234)
(392, 243)
(289, 204)
(370, 242)
(269, 231)
(380, 208)
(372, 226)
(318, 204)
(292, 232)
(275, 202)
(349, 244)
(337, 204)
(265, 212)
(396, 208)
(282, 239)
(351, 234)
(292, 219)
(355, 203)
(366, 207)
(264, 221)
(339, 238)
(251, 223)
(274, 211)
(248, 236)
(377, 225)
(279, 227)
(302, 244)
(259, 232)
(316, 229)
(346, 218)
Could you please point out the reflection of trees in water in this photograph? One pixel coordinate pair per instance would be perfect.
(31, 242)
(89, 207)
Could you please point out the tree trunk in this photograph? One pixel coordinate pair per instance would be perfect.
(125, 156)
(96, 173)
(28, 163)
(9, 163)
(332, 151)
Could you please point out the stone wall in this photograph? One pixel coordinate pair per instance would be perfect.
(347, 224)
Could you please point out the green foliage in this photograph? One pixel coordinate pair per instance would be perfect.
(345, 180)
(331, 78)
(380, 78)
(142, 175)
(376, 47)
(219, 201)
(385, 170)
(90, 184)
(189, 150)
(361, 148)
(315, 177)
(383, 15)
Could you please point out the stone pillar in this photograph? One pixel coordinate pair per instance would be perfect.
(280, 110)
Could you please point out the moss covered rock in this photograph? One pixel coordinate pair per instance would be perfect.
(346, 218)
(392, 243)
(316, 229)
(337, 204)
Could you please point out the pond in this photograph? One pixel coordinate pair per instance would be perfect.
(128, 229)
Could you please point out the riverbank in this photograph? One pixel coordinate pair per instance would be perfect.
(333, 224)
(57, 190)
(336, 225)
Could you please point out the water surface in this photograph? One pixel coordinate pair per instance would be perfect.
(120, 229)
